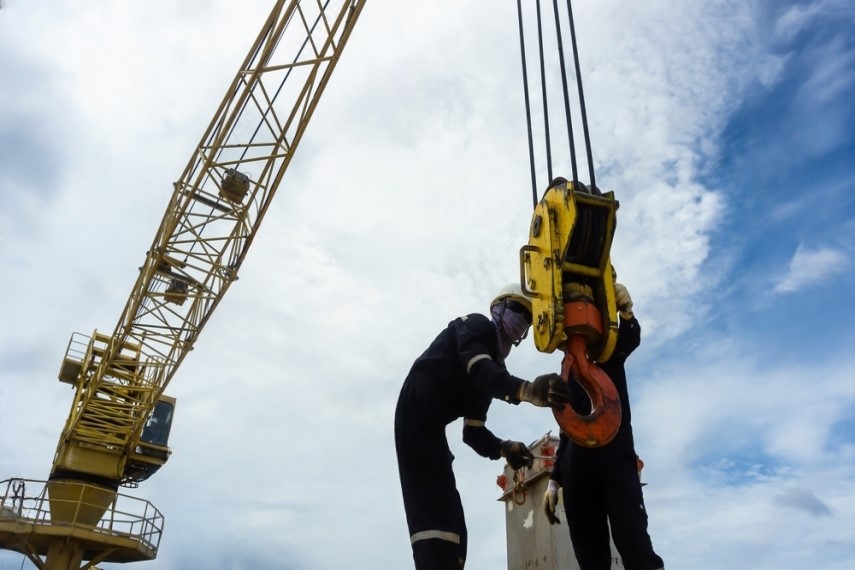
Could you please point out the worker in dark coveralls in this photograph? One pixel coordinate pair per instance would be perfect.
(457, 377)
(601, 486)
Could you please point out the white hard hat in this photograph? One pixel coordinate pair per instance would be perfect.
(513, 292)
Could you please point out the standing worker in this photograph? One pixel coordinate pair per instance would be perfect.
(457, 377)
(601, 485)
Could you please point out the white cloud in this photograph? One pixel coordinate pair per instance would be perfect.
(405, 206)
(728, 442)
(810, 267)
(799, 17)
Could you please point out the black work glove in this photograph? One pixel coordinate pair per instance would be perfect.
(546, 390)
(517, 454)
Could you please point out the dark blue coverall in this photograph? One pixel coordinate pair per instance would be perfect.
(601, 486)
(457, 376)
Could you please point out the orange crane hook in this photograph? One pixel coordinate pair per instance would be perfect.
(566, 270)
(582, 323)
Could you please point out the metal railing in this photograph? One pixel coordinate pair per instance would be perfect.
(26, 504)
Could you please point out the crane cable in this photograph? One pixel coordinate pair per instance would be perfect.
(565, 92)
(273, 98)
(527, 105)
(586, 239)
(144, 305)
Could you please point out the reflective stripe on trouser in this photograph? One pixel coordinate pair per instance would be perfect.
(431, 501)
(440, 534)
(436, 550)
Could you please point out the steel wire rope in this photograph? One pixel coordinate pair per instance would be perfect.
(144, 305)
(581, 97)
(527, 107)
(594, 224)
(544, 97)
(263, 117)
(566, 95)
(260, 123)
(287, 73)
(565, 91)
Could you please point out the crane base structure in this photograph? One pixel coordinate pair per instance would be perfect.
(67, 525)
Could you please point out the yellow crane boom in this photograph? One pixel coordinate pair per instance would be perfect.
(215, 211)
(116, 432)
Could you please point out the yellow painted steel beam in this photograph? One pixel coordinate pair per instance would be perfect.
(213, 215)
(215, 210)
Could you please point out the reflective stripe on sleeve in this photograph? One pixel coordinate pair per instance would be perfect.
(440, 534)
(474, 423)
(475, 359)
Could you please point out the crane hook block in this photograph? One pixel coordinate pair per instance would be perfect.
(566, 269)
(600, 426)
(568, 257)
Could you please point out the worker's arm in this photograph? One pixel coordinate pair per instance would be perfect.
(629, 331)
(629, 337)
(477, 346)
(477, 436)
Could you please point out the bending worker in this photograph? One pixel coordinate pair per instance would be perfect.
(458, 376)
(601, 486)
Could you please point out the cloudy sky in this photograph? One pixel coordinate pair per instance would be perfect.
(724, 128)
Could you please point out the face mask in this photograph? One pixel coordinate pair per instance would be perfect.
(511, 328)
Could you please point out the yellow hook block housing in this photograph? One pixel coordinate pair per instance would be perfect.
(568, 256)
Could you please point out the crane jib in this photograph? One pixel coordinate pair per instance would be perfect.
(118, 429)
